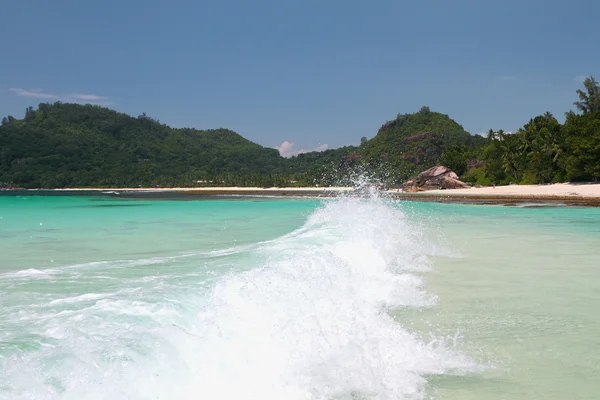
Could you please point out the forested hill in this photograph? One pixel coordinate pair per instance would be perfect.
(70, 145)
(542, 151)
(414, 142)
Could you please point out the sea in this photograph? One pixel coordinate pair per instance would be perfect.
(109, 297)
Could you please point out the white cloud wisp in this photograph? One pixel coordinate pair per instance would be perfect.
(69, 98)
(286, 149)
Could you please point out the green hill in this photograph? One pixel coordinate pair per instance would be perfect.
(70, 145)
(412, 143)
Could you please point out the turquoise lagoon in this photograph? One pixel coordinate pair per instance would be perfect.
(255, 298)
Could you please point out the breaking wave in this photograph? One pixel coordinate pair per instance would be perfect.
(305, 316)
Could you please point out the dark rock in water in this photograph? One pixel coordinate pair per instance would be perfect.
(438, 177)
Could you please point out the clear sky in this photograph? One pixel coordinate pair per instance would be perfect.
(313, 73)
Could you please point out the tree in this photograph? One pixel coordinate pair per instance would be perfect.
(583, 147)
(580, 152)
(590, 99)
(532, 154)
(5, 156)
(511, 157)
(456, 158)
(4, 121)
(363, 140)
(29, 113)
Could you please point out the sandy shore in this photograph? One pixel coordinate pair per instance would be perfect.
(560, 193)
(555, 190)
(564, 193)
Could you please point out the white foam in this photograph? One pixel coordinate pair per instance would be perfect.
(80, 298)
(31, 273)
(310, 320)
(311, 323)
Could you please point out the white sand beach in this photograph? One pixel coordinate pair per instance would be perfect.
(559, 191)
(584, 190)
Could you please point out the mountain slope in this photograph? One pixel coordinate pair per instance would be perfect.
(70, 145)
(414, 142)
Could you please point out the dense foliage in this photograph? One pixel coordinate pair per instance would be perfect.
(320, 168)
(414, 142)
(401, 149)
(544, 151)
(69, 145)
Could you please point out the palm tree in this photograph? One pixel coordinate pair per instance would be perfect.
(590, 99)
(510, 155)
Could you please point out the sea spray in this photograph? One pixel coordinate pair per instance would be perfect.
(305, 316)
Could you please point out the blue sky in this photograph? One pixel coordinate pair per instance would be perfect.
(312, 73)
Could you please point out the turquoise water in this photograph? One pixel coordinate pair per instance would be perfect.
(297, 299)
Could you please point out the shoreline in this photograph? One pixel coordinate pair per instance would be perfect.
(570, 194)
(586, 194)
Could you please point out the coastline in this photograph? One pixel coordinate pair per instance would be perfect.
(585, 194)
(570, 194)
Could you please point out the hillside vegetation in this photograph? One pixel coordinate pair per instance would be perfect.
(69, 145)
(412, 143)
(545, 151)
(542, 151)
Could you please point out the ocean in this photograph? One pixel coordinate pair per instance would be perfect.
(277, 298)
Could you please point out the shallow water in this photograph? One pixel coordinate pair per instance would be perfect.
(296, 299)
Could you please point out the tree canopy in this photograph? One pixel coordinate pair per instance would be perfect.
(589, 101)
(70, 145)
